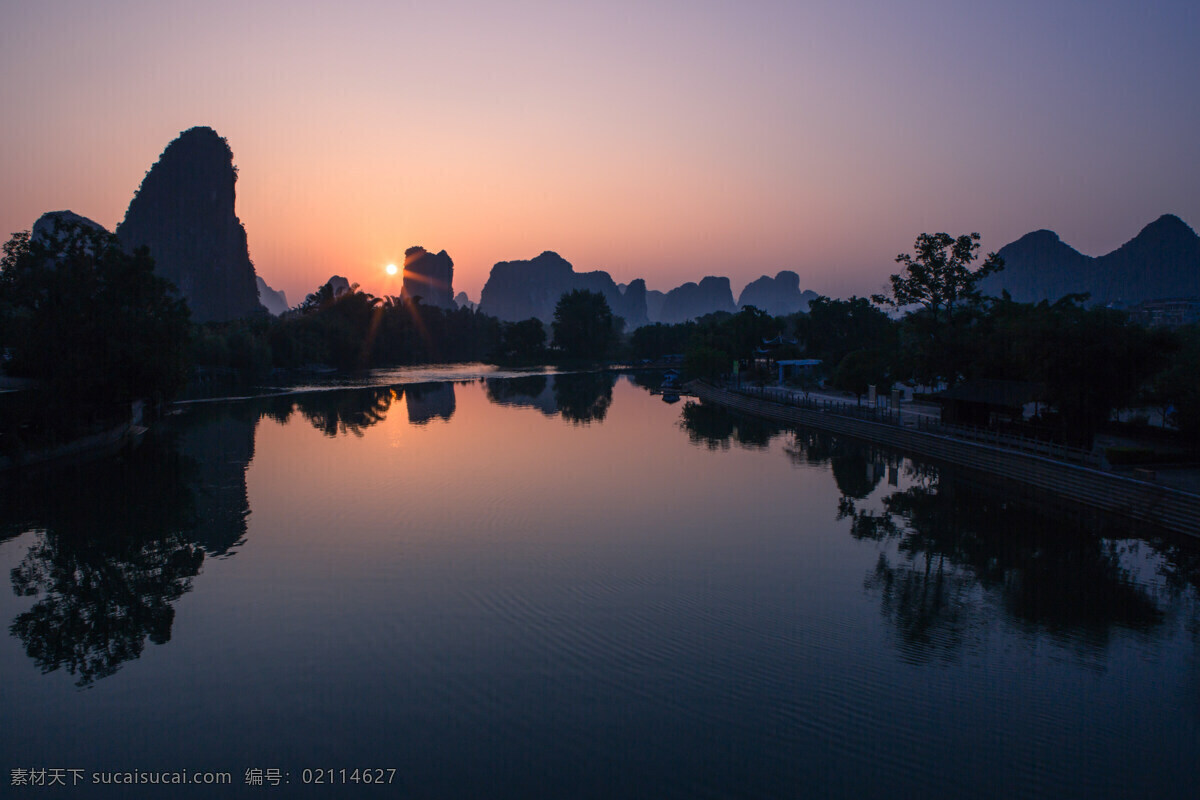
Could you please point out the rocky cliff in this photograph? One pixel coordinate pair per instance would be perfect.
(693, 300)
(778, 296)
(429, 276)
(518, 290)
(64, 226)
(184, 212)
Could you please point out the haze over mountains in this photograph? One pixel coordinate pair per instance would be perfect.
(1162, 261)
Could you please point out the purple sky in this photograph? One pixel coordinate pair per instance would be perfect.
(666, 141)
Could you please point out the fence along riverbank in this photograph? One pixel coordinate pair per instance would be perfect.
(1082, 482)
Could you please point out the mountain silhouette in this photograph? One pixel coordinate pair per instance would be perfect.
(184, 212)
(275, 301)
(693, 300)
(778, 296)
(1162, 261)
(429, 276)
(518, 290)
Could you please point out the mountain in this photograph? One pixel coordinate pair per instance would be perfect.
(778, 296)
(184, 212)
(462, 301)
(65, 226)
(693, 300)
(654, 304)
(274, 301)
(429, 276)
(518, 290)
(1162, 261)
(56, 223)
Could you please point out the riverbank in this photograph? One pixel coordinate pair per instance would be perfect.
(1164, 506)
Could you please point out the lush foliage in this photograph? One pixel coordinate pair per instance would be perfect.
(523, 341)
(939, 277)
(652, 342)
(939, 281)
(349, 330)
(94, 325)
(584, 326)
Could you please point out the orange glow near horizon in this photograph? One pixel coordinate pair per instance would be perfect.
(626, 137)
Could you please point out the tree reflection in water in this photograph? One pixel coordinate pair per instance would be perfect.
(115, 549)
(584, 397)
(959, 548)
(340, 411)
(958, 553)
(525, 391)
(578, 397)
(117, 542)
(715, 428)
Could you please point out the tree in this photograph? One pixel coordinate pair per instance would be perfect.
(1089, 362)
(94, 324)
(859, 370)
(584, 325)
(834, 328)
(1177, 387)
(939, 279)
(525, 340)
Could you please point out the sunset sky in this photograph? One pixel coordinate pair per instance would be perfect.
(660, 140)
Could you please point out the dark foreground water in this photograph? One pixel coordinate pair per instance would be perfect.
(564, 587)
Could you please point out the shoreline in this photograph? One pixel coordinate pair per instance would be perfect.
(1166, 507)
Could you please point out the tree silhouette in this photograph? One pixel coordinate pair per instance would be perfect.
(939, 279)
(584, 325)
(95, 325)
(115, 549)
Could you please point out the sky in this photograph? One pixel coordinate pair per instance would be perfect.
(660, 140)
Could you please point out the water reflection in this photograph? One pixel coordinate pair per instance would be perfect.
(115, 547)
(584, 397)
(580, 398)
(429, 401)
(217, 443)
(1059, 576)
(716, 429)
(857, 467)
(956, 550)
(335, 412)
(119, 541)
(527, 392)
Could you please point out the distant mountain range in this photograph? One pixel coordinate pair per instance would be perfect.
(274, 301)
(517, 290)
(184, 212)
(1162, 261)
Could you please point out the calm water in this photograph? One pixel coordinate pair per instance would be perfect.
(561, 586)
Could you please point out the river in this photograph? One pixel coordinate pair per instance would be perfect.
(537, 585)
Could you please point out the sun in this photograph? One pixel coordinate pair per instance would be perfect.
(390, 269)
